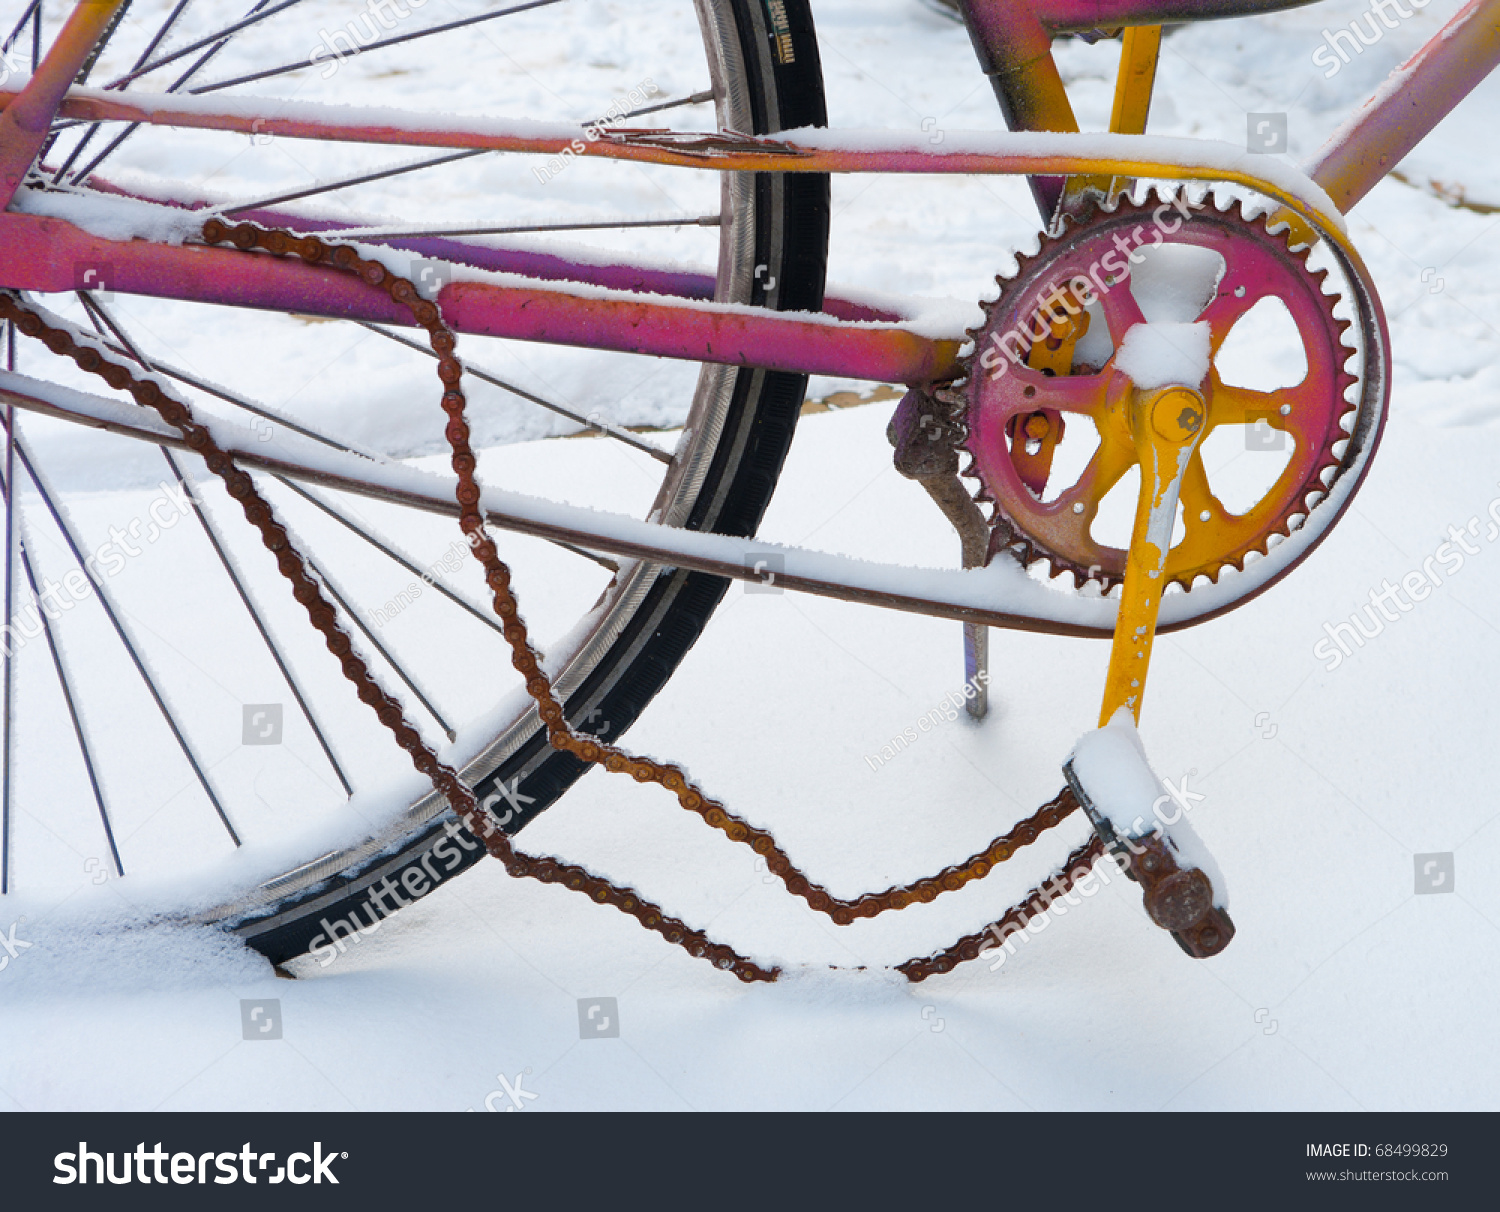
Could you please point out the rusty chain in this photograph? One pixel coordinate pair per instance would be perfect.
(156, 394)
(1039, 900)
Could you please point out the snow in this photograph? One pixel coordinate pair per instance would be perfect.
(1156, 354)
(1002, 587)
(1341, 990)
(110, 218)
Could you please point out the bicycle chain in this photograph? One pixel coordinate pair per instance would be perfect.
(159, 396)
(971, 946)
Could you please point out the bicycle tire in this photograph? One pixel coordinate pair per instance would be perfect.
(772, 81)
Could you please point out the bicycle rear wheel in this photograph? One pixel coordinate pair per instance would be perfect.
(763, 76)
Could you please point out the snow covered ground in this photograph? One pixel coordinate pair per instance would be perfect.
(1332, 795)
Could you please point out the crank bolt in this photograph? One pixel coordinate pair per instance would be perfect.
(1177, 414)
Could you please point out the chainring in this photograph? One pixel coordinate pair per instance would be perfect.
(1088, 264)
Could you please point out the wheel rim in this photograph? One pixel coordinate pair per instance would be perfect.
(678, 500)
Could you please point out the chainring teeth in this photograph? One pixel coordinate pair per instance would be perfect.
(1029, 549)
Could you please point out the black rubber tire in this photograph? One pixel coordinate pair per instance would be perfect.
(779, 50)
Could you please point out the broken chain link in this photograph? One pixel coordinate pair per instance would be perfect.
(155, 393)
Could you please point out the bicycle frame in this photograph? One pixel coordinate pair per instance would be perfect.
(1012, 38)
(553, 299)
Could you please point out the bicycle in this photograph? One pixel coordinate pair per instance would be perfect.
(1056, 343)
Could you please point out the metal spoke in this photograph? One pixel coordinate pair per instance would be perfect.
(257, 14)
(349, 523)
(383, 233)
(175, 441)
(72, 704)
(441, 505)
(695, 99)
(78, 148)
(95, 127)
(602, 561)
(365, 631)
(98, 314)
(623, 435)
(100, 317)
(124, 635)
(87, 69)
(216, 542)
(109, 150)
(83, 72)
(20, 25)
(160, 36)
(300, 64)
(378, 175)
(381, 174)
(482, 616)
(52, 646)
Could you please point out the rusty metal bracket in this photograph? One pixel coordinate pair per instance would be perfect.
(926, 433)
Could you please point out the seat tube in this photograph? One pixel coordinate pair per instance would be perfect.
(1015, 52)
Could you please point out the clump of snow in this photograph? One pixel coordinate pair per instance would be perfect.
(1154, 355)
(111, 218)
(1111, 766)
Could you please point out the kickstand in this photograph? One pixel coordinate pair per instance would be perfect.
(926, 437)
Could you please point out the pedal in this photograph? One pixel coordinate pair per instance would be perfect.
(1125, 801)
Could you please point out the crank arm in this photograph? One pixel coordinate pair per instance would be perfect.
(1166, 424)
(1108, 771)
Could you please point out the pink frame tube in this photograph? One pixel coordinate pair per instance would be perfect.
(1415, 98)
(535, 263)
(26, 120)
(1062, 16)
(46, 255)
